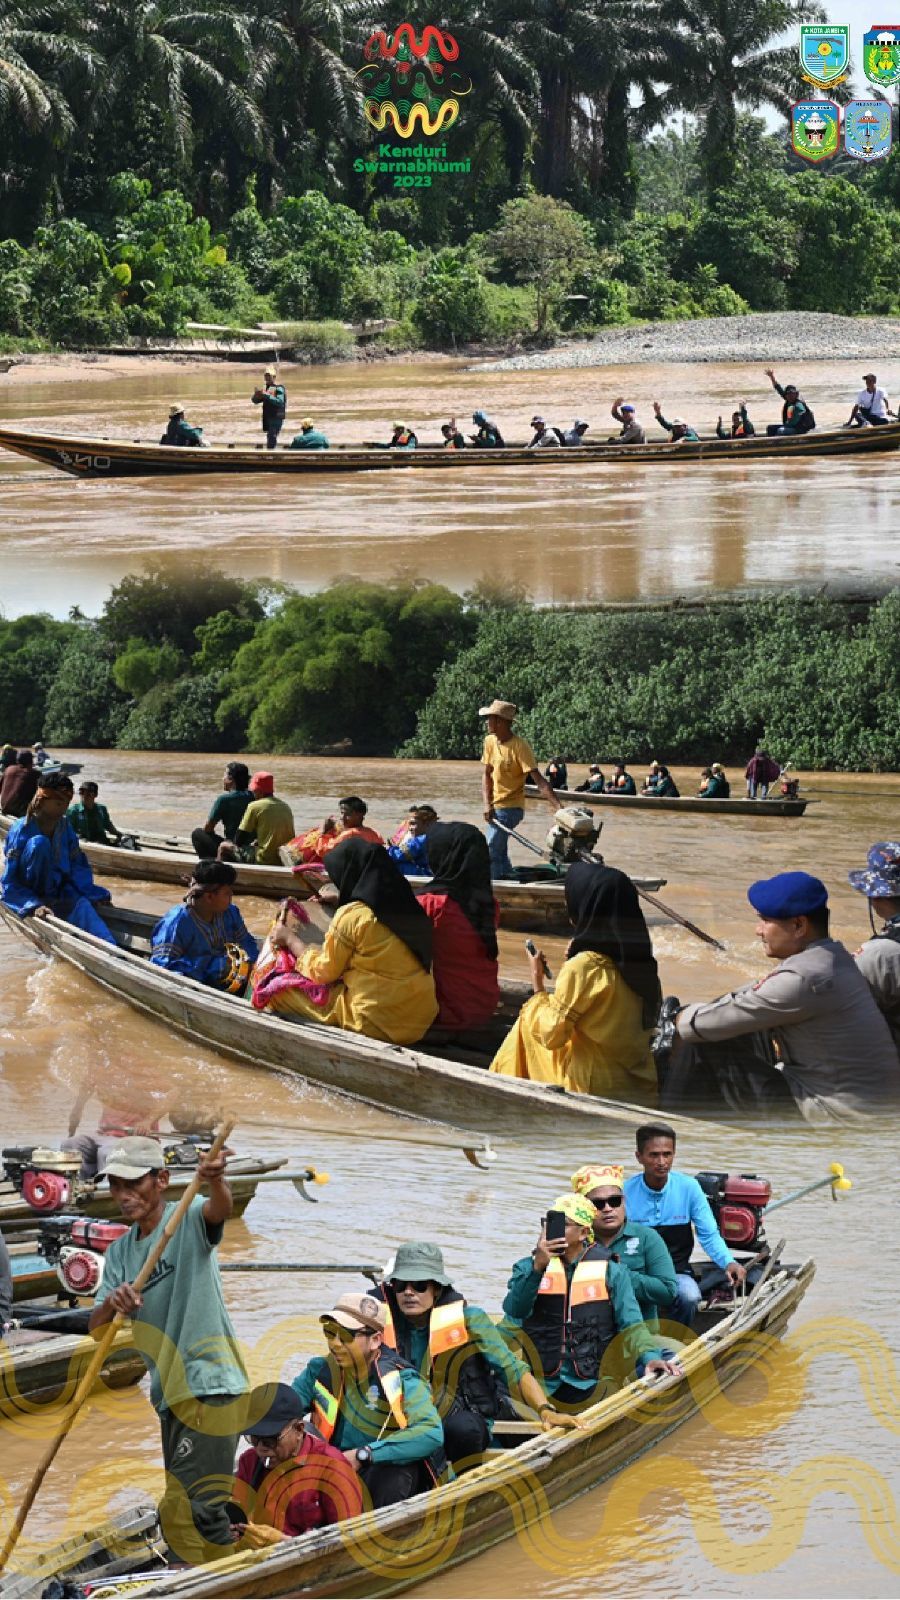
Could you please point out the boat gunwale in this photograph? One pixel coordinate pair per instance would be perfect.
(690, 804)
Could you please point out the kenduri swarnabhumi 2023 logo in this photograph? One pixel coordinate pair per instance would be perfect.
(411, 82)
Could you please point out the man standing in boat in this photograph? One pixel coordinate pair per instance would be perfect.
(879, 958)
(273, 399)
(509, 763)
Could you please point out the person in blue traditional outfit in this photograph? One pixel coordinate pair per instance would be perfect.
(205, 938)
(46, 868)
(408, 848)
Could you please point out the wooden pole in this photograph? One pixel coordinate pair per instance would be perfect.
(104, 1343)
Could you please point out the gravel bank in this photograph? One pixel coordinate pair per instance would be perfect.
(768, 336)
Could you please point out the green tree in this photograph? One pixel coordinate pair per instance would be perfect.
(31, 649)
(84, 704)
(177, 716)
(452, 301)
(541, 241)
(141, 666)
(219, 639)
(166, 605)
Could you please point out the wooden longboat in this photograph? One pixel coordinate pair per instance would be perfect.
(39, 1365)
(436, 1086)
(739, 806)
(95, 1200)
(534, 904)
(102, 457)
(387, 1552)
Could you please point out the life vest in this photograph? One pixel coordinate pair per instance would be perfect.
(573, 1320)
(401, 440)
(326, 1406)
(802, 424)
(466, 1378)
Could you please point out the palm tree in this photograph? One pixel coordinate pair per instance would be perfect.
(44, 60)
(712, 56)
(304, 85)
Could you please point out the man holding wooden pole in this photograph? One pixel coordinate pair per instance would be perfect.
(183, 1331)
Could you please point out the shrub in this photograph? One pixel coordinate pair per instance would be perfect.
(312, 342)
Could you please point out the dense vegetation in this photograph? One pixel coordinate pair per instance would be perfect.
(206, 662)
(160, 165)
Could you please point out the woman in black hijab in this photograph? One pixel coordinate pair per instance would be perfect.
(372, 973)
(592, 1035)
(460, 904)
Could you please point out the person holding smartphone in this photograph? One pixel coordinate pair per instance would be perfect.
(569, 1305)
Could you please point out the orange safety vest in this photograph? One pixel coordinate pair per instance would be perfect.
(446, 1329)
(327, 1406)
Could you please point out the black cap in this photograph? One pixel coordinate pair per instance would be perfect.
(354, 803)
(270, 1408)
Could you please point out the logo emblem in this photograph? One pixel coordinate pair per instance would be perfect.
(867, 129)
(410, 81)
(825, 55)
(815, 125)
(881, 55)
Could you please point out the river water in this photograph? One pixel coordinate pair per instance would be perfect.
(592, 533)
(791, 1493)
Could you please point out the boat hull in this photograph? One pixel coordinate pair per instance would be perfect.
(738, 807)
(97, 457)
(46, 1367)
(409, 1081)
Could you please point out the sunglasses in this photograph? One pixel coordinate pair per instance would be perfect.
(419, 1287)
(609, 1201)
(333, 1330)
(269, 1441)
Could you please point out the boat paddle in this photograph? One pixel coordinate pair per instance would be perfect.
(104, 1344)
(652, 899)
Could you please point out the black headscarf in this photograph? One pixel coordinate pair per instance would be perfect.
(604, 909)
(458, 857)
(364, 871)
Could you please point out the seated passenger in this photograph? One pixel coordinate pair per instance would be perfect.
(408, 848)
(19, 786)
(593, 783)
(205, 938)
(289, 1480)
(741, 426)
(571, 1303)
(91, 820)
(309, 437)
(456, 1349)
(46, 869)
(639, 1248)
(631, 432)
(592, 1035)
(453, 439)
(879, 958)
(178, 431)
(677, 428)
(373, 1406)
(372, 974)
(460, 904)
(557, 773)
(488, 436)
(402, 438)
(310, 849)
(662, 786)
(621, 781)
(544, 437)
(266, 825)
(227, 808)
(575, 434)
(713, 784)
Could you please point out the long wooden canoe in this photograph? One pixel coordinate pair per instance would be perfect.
(102, 457)
(536, 904)
(409, 1081)
(739, 806)
(38, 1365)
(95, 1200)
(400, 1548)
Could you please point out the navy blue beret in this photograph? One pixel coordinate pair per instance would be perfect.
(789, 894)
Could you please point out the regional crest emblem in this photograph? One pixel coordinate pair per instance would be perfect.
(825, 55)
(815, 125)
(867, 129)
(881, 55)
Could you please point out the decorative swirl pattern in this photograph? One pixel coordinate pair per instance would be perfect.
(389, 113)
(384, 48)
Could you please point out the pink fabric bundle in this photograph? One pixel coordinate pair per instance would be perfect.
(276, 971)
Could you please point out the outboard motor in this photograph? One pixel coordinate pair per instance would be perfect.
(738, 1201)
(790, 788)
(77, 1246)
(574, 834)
(46, 1179)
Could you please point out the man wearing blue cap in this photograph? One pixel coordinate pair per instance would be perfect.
(837, 1055)
(879, 958)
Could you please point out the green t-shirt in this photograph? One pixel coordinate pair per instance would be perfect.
(271, 823)
(228, 808)
(93, 825)
(182, 1330)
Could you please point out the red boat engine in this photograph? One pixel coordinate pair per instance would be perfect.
(77, 1245)
(44, 1178)
(738, 1201)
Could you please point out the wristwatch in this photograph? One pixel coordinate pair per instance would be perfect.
(363, 1455)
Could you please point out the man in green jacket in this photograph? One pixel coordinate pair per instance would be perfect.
(309, 437)
(372, 1405)
(572, 1303)
(633, 1245)
(179, 432)
(677, 428)
(90, 820)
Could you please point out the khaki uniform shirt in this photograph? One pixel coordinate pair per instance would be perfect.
(879, 963)
(836, 1048)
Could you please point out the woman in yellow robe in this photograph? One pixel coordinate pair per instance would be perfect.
(372, 974)
(592, 1035)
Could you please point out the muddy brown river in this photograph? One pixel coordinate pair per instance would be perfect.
(598, 532)
(788, 1489)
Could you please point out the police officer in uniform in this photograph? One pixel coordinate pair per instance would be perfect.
(457, 1350)
(879, 958)
(838, 1059)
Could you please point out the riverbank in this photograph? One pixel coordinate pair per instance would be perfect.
(766, 336)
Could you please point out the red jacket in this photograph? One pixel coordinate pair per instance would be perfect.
(466, 979)
(315, 1488)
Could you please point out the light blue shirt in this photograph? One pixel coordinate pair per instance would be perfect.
(679, 1203)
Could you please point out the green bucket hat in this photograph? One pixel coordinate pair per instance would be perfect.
(417, 1262)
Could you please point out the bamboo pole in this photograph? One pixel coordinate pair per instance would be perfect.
(104, 1344)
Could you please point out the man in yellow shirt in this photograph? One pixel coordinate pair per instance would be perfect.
(267, 822)
(509, 763)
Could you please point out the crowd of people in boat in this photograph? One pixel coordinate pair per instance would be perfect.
(412, 1377)
(871, 408)
(712, 784)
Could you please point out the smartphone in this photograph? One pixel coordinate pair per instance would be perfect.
(555, 1225)
(531, 949)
